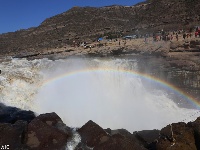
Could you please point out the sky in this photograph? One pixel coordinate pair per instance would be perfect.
(23, 14)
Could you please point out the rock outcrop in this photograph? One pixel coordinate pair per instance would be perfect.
(92, 134)
(47, 131)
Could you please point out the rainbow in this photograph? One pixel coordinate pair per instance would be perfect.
(132, 73)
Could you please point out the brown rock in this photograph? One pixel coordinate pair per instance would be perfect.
(120, 142)
(177, 136)
(92, 134)
(49, 118)
(13, 134)
(196, 127)
(148, 136)
(47, 132)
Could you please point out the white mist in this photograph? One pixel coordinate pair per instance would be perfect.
(111, 99)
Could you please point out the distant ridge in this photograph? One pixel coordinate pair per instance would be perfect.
(88, 23)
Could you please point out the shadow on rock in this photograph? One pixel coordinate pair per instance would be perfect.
(12, 114)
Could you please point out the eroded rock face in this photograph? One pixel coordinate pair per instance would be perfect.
(47, 131)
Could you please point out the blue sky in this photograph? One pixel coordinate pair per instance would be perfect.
(23, 14)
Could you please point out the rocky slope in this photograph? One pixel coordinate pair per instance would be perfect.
(22, 130)
(88, 23)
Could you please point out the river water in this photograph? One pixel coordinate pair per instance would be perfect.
(135, 93)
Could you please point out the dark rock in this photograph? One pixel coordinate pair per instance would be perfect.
(197, 136)
(108, 130)
(166, 133)
(47, 132)
(95, 137)
(196, 127)
(118, 141)
(123, 132)
(13, 134)
(177, 136)
(12, 114)
(92, 134)
(50, 118)
(148, 136)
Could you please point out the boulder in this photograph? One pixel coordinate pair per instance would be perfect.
(92, 134)
(13, 134)
(47, 132)
(177, 136)
(108, 130)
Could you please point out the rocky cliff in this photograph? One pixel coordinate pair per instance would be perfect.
(88, 23)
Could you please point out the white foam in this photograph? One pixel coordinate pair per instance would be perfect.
(73, 141)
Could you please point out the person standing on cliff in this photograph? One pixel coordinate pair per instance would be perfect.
(184, 36)
(154, 38)
(196, 33)
(125, 42)
(187, 35)
(190, 35)
(160, 37)
(171, 37)
(177, 36)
